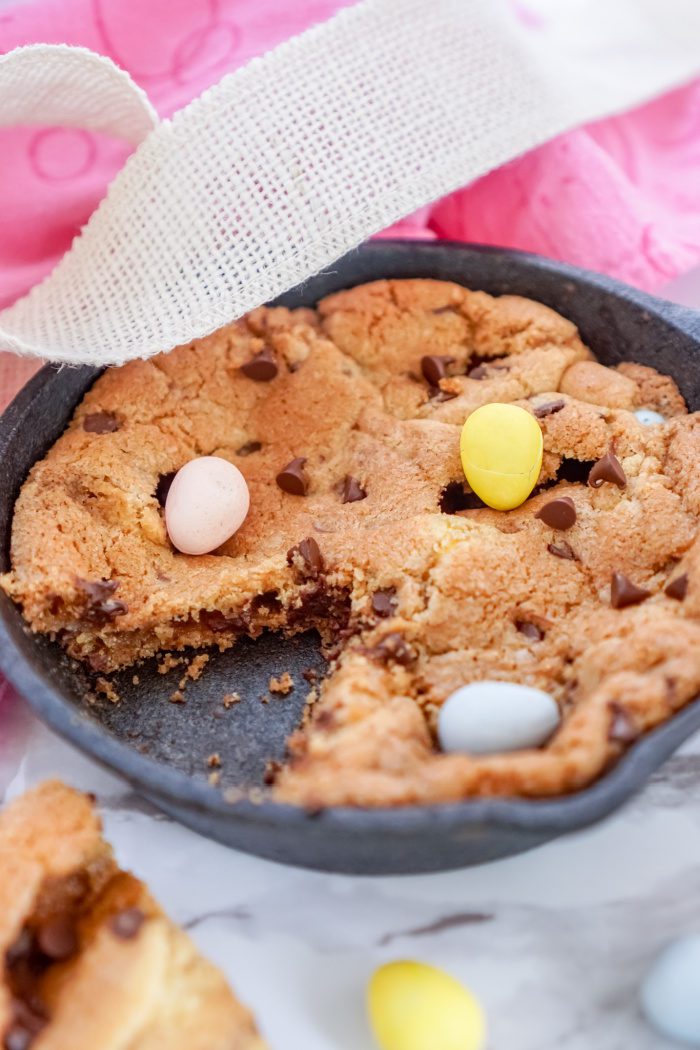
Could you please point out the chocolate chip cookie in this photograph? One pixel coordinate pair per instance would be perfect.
(345, 422)
(88, 958)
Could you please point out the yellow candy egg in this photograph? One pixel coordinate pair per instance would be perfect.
(413, 1006)
(501, 450)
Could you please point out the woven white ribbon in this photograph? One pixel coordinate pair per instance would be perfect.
(290, 162)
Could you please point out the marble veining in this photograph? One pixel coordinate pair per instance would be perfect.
(553, 942)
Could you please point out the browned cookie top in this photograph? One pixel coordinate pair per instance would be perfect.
(345, 423)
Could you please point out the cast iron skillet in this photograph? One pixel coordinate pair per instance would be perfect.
(162, 748)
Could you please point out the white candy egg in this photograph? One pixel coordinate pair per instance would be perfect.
(670, 994)
(487, 717)
(647, 417)
(207, 502)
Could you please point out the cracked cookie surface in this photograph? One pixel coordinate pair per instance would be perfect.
(415, 586)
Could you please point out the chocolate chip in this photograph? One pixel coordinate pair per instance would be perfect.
(163, 486)
(100, 607)
(623, 592)
(434, 368)
(384, 601)
(549, 408)
(126, 924)
(310, 554)
(393, 649)
(262, 367)
(292, 478)
(562, 550)
(101, 423)
(559, 513)
(352, 490)
(249, 448)
(607, 469)
(677, 588)
(622, 729)
(530, 630)
(58, 938)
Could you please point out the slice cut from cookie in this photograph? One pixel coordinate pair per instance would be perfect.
(89, 960)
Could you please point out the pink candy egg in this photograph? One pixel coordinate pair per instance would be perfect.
(208, 501)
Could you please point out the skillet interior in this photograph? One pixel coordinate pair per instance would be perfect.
(162, 747)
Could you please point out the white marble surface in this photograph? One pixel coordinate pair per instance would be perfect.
(553, 942)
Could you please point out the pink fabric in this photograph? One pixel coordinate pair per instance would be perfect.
(622, 196)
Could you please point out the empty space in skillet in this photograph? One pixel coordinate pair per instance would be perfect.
(179, 738)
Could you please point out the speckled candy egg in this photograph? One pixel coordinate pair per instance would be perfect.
(648, 418)
(670, 994)
(207, 502)
(487, 717)
(413, 1006)
(501, 450)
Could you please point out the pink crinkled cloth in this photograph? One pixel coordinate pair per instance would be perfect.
(621, 196)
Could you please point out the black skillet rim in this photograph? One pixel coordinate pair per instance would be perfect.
(556, 815)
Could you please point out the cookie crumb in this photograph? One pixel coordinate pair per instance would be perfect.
(283, 685)
(193, 671)
(214, 760)
(103, 686)
(230, 699)
(214, 778)
(168, 662)
(196, 666)
(178, 697)
(135, 679)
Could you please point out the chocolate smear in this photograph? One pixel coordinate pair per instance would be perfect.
(262, 367)
(352, 490)
(216, 621)
(549, 408)
(623, 592)
(559, 513)
(292, 478)
(607, 469)
(100, 607)
(101, 423)
(677, 588)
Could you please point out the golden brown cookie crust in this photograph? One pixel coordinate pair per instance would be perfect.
(89, 959)
(469, 593)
